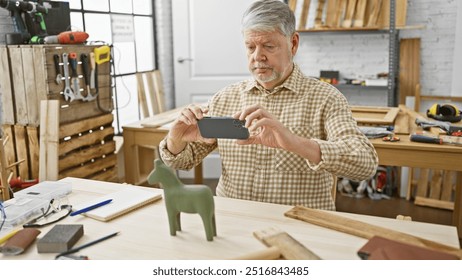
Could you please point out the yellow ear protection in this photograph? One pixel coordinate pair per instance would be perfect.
(445, 112)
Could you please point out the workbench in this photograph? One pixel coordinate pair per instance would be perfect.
(402, 153)
(140, 146)
(144, 232)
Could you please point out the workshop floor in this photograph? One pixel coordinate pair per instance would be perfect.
(389, 208)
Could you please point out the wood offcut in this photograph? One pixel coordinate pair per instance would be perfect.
(362, 229)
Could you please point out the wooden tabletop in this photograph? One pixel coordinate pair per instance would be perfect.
(144, 233)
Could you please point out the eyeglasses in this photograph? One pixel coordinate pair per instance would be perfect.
(55, 212)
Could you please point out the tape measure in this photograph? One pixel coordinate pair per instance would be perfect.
(102, 54)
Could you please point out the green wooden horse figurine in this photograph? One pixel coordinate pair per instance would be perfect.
(184, 198)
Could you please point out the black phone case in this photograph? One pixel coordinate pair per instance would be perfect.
(223, 127)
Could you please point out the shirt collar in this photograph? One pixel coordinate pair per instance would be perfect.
(290, 83)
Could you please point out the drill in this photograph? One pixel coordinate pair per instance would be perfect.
(33, 16)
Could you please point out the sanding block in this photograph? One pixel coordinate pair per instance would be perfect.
(19, 242)
(60, 238)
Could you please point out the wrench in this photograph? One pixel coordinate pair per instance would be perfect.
(68, 93)
(75, 76)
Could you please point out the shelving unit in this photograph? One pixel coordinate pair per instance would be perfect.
(393, 51)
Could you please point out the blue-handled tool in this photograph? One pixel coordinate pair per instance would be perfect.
(89, 208)
(430, 139)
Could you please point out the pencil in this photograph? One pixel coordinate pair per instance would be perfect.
(76, 249)
(7, 236)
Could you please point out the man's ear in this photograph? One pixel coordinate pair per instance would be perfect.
(295, 40)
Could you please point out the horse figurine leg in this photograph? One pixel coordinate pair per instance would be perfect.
(173, 220)
(209, 225)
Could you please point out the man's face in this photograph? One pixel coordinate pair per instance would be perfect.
(270, 56)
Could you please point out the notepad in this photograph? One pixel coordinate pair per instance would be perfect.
(123, 202)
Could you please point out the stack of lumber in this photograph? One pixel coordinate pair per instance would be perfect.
(350, 14)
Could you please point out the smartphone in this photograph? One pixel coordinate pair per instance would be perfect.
(223, 127)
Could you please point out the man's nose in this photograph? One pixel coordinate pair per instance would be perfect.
(259, 55)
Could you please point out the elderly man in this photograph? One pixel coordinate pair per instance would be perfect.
(302, 130)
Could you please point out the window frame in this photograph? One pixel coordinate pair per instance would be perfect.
(114, 75)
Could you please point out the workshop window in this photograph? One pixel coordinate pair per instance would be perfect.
(128, 26)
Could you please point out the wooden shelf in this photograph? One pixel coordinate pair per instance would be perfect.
(348, 86)
(359, 29)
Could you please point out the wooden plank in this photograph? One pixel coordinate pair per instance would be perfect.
(409, 183)
(448, 179)
(360, 13)
(400, 16)
(49, 140)
(85, 155)
(402, 123)
(90, 168)
(340, 12)
(436, 203)
(159, 89)
(19, 91)
(318, 23)
(151, 94)
(8, 116)
(34, 150)
(374, 9)
(349, 13)
(409, 68)
(4, 173)
(85, 125)
(422, 183)
(32, 101)
(41, 72)
(435, 184)
(84, 140)
(304, 15)
(142, 96)
(331, 13)
(292, 5)
(22, 151)
(375, 115)
(108, 175)
(10, 150)
(290, 248)
(41, 77)
(362, 229)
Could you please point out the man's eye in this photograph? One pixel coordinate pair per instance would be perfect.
(250, 48)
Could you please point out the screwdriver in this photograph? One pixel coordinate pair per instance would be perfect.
(429, 139)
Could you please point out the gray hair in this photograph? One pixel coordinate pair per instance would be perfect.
(267, 16)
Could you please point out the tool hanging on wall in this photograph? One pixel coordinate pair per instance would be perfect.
(100, 55)
(59, 76)
(68, 93)
(75, 77)
(86, 76)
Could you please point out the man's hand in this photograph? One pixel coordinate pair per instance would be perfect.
(264, 128)
(185, 129)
